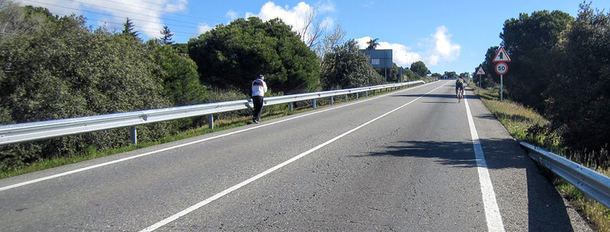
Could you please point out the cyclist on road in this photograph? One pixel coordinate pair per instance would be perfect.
(459, 87)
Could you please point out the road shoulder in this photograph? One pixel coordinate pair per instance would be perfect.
(526, 198)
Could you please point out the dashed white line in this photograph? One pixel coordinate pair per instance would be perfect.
(492, 212)
(270, 170)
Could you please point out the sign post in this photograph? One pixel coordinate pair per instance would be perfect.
(479, 73)
(501, 68)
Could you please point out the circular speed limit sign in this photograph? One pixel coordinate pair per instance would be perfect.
(501, 68)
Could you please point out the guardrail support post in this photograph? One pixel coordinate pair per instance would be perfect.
(134, 135)
(211, 121)
(366, 93)
(332, 100)
(356, 96)
(314, 103)
(291, 106)
(345, 97)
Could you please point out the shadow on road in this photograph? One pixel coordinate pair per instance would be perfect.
(546, 209)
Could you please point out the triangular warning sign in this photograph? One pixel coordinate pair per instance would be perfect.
(501, 56)
(480, 71)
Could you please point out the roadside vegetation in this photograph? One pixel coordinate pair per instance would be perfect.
(54, 67)
(557, 91)
(560, 69)
(525, 124)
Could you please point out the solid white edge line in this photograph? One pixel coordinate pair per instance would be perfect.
(189, 143)
(270, 170)
(492, 212)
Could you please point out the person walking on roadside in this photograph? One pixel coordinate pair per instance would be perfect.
(259, 87)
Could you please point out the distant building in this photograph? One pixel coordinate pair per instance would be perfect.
(379, 58)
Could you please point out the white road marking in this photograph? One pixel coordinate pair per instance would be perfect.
(270, 170)
(492, 212)
(187, 144)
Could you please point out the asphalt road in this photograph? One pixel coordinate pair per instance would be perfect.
(404, 161)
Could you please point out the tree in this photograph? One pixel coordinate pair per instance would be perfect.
(411, 76)
(178, 76)
(232, 56)
(450, 75)
(10, 14)
(128, 29)
(58, 69)
(166, 36)
(394, 74)
(372, 44)
(579, 97)
(437, 75)
(347, 67)
(331, 40)
(420, 68)
(465, 75)
(529, 41)
(312, 30)
(490, 78)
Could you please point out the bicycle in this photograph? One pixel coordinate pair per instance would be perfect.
(460, 94)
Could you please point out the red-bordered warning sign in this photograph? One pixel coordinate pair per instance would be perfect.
(501, 68)
(501, 56)
(480, 71)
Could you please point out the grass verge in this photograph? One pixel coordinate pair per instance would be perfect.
(521, 122)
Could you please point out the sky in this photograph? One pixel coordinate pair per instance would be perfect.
(446, 35)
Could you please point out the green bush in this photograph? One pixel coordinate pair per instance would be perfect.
(54, 68)
(230, 57)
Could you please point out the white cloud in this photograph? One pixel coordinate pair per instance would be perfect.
(175, 6)
(443, 49)
(145, 14)
(294, 17)
(324, 7)
(368, 4)
(232, 15)
(401, 54)
(297, 16)
(327, 23)
(203, 28)
(436, 49)
(58, 7)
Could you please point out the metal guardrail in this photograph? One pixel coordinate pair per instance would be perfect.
(593, 184)
(22, 132)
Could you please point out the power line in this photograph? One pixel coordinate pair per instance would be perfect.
(140, 7)
(181, 25)
(137, 16)
(182, 31)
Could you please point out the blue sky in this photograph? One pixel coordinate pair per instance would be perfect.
(447, 35)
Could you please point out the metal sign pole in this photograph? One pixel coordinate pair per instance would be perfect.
(501, 88)
(479, 89)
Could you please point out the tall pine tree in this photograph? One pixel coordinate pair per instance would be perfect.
(128, 29)
(166, 36)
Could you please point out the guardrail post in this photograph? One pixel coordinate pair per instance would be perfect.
(211, 121)
(332, 100)
(366, 93)
(134, 135)
(356, 96)
(314, 103)
(291, 106)
(345, 97)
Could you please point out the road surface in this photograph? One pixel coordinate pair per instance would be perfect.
(411, 160)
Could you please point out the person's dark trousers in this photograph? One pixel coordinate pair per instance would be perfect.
(258, 107)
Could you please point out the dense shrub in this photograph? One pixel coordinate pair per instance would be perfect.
(54, 68)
